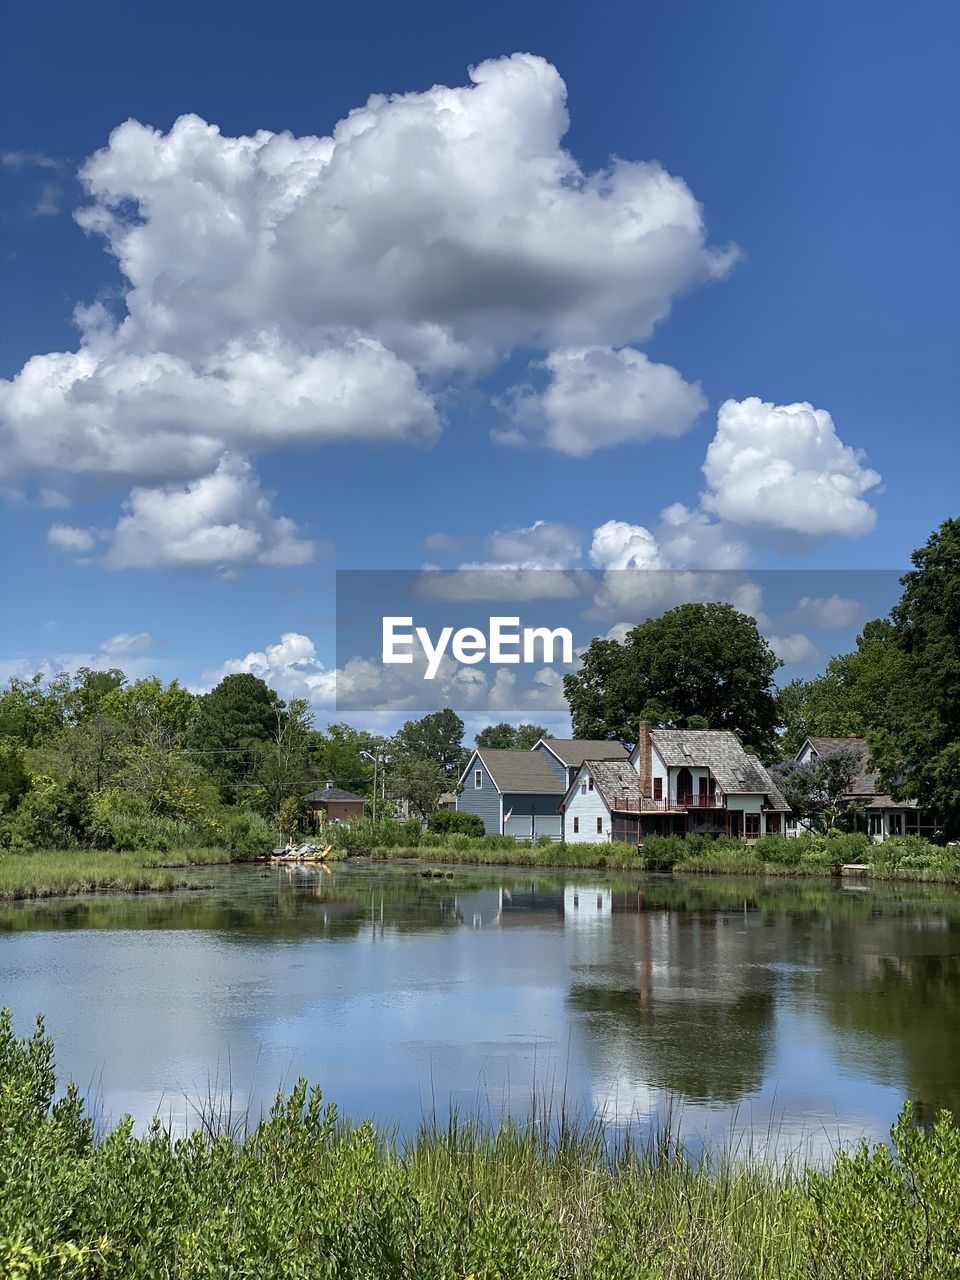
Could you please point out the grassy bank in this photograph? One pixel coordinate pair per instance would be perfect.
(302, 1195)
(906, 859)
(57, 873)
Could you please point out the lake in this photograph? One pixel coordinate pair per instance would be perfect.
(791, 1014)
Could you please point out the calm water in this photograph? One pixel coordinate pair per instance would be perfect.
(796, 1014)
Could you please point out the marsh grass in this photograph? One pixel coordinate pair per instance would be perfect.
(300, 1193)
(58, 873)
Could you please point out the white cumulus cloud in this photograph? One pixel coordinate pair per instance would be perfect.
(282, 290)
(793, 648)
(597, 397)
(223, 521)
(783, 469)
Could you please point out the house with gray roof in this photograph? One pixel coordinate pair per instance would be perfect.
(882, 816)
(332, 804)
(675, 782)
(516, 793)
(566, 755)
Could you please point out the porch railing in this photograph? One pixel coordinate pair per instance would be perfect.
(690, 800)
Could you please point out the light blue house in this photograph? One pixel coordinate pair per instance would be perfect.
(566, 755)
(516, 793)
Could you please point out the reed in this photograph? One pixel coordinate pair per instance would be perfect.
(303, 1194)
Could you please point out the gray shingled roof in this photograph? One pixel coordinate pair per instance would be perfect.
(573, 751)
(332, 793)
(615, 778)
(865, 783)
(736, 771)
(521, 771)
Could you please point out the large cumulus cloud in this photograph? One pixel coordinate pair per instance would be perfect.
(286, 289)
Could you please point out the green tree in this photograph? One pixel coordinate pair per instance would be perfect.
(282, 765)
(231, 722)
(14, 779)
(703, 661)
(519, 737)
(916, 742)
(336, 754)
(419, 782)
(818, 791)
(33, 711)
(854, 695)
(437, 737)
(89, 691)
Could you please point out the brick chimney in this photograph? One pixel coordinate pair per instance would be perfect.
(644, 759)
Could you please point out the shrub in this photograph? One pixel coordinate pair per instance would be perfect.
(779, 850)
(445, 821)
(246, 834)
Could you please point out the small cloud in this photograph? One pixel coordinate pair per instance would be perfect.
(48, 202)
(67, 537)
(54, 498)
(29, 160)
(793, 648)
(128, 644)
(827, 611)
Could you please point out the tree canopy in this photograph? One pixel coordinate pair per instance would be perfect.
(915, 740)
(697, 662)
(437, 737)
(511, 737)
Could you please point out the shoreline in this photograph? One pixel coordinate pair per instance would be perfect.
(103, 872)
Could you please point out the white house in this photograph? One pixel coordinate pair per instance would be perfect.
(883, 815)
(675, 782)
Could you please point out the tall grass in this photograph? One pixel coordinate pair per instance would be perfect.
(56, 873)
(302, 1194)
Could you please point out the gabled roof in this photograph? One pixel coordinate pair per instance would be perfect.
(518, 771)
(611, 778)
(332, 793)
(736, 771)
(573, 751)
(865, 783)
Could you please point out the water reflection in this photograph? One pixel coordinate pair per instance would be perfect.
(400, 993)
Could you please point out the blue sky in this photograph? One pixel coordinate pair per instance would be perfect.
(457, 335)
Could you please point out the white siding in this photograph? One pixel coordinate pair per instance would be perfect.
(587, 806)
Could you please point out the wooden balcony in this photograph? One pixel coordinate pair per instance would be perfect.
(634, 803)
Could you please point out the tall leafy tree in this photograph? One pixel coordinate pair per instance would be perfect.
(34, 711)
(336, 755)
(437, 737)
(282, 763)
(916, 744)
(695, 663)
(516, 737)
(231, 722)
(419, 782)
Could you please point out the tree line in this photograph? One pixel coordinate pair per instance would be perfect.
(94, 759)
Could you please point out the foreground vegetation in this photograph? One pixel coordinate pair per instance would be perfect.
(303, 1195)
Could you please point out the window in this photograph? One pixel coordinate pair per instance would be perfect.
(658, 788)
(576, 826)
(600, 826)
(477, 779)
(875, 824)
(895, 824)
(751, 825)
(590, 783)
